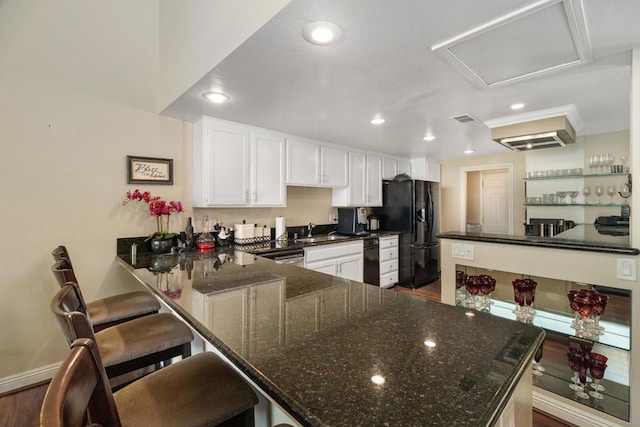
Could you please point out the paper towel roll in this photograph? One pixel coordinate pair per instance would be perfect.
(281, 229)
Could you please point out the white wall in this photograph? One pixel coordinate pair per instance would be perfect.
(195, 35)
(78, 83)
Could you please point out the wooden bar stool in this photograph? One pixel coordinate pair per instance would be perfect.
(201, 390)
(107, 311)
(129, 346)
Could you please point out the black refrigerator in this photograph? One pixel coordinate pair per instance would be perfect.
(410, 207)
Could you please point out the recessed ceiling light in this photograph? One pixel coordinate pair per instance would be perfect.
(216, 97)
(322, 33)
(377, 379)
(517, 106)
(429, 137)
(468, 151)
(377, 121)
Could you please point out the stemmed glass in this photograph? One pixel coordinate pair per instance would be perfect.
(611, 191)
(519, 297)
(586, 192)
(599, 192)
(487, 285)
(576, 361)
(530, 293)
(561, 196)
(599, 305)
(574, 307)
(538, 369)
(461, 278)
(597, 364)
(472, 284)
(592, 162)
(585, 305)
(573, 195)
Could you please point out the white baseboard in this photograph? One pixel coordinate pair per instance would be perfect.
(24, 379)
(570, 412)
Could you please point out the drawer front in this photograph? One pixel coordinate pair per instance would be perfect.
(388, 280)
(388, 254)
(332, 251)
(388, 242)
(388, 266)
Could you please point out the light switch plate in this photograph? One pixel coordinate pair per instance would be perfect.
(627, 269)
(461, 251)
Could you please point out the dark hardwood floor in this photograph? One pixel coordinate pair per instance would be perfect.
(432, 292)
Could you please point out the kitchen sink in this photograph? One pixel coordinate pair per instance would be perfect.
(321, 238)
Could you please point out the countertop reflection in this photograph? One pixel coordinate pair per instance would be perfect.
(314, 342)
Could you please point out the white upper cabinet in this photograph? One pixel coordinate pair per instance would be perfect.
(234, 167)
(303, 163)
(267, 170)
(374, 181)
(393, 167)
(388, 168)
(310, 164)
(334, 167)
(365, 182)
(403, 167)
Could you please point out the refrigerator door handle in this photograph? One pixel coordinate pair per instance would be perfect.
(420, 215)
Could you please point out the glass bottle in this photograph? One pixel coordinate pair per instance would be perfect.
(205, 241)
(189, 241)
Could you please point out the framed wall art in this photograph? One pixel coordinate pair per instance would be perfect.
(149, 170)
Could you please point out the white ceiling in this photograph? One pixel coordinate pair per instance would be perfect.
(384, 64)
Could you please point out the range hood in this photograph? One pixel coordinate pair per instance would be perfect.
(532, 135)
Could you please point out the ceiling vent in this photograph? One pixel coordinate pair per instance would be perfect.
(544, 133)
(464, 118)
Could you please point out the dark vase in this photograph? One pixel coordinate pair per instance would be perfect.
(161, 246)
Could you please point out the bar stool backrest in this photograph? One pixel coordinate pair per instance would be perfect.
(61, 252)
(79, 393)
(70, 311)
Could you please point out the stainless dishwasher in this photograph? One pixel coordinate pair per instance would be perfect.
(372, 261)
(291, 257)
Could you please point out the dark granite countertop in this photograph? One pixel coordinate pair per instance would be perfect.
(313, 342)
(583, 237)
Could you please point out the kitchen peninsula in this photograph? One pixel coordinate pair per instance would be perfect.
(329, 351)
(580, 258)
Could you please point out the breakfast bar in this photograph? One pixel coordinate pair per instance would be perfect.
(325, 350)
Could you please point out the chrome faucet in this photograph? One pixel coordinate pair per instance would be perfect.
(309, 228)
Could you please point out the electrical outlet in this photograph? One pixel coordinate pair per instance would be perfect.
(462, 251)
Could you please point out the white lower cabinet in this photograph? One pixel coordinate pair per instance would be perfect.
(339, 259)
(388, 261)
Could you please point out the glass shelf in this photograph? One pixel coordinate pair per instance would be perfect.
(586, 175)
(615, 335)
(565, 205)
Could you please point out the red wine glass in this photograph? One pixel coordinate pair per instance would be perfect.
(582, 376)
(599, 306)
(472, 284)
(597, 365)
(538, 369)
(574, 364)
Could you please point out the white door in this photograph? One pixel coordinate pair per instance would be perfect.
(495, 202)
(326, 266)
(388, 168)
(226, 168)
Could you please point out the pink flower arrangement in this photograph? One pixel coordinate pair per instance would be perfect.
(158, 208)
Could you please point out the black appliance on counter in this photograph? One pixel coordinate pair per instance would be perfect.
(349, 222)
(410, 207)
(547, 227)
